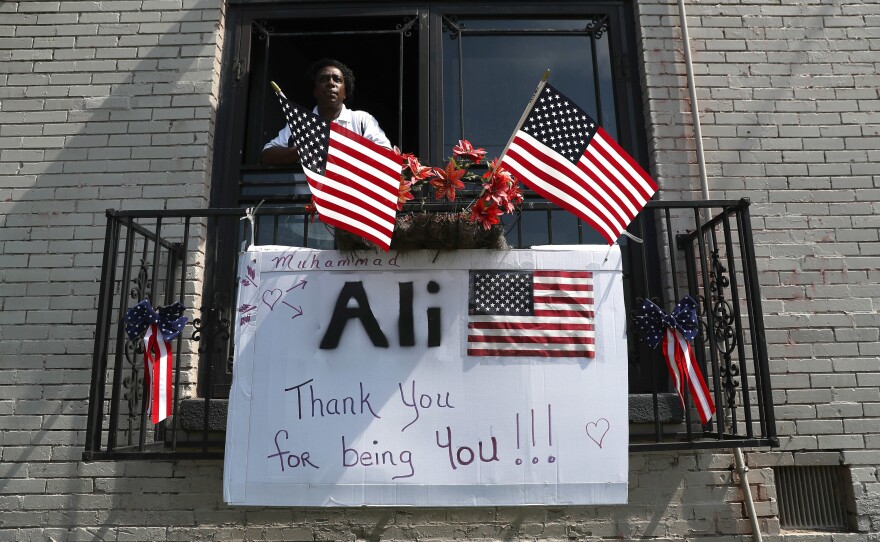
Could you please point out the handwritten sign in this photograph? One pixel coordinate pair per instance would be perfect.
(373, 379)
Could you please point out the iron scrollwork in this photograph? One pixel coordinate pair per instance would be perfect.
(724, 332)
(142, 285)
(406, 26)
(452, 26)
(597, 26)
(133, 382)
(213, 326)
(133, 385)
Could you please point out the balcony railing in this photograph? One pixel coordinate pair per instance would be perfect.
(704, 249)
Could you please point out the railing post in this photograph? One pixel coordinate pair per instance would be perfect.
(102, 324)
(120, 340)
(757, 325)
(181, 297)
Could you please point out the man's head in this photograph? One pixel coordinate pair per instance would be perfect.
(332, 82)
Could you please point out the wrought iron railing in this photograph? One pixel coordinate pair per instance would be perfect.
(704, 249)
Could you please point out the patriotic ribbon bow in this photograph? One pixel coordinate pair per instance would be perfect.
(675, 331)
(652, 321)
(143, 320)
(170, 320)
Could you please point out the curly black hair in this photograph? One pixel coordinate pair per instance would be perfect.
(347, 75)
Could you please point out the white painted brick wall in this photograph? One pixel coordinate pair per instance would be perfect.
(111, 104)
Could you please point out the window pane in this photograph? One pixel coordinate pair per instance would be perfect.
(531, 230)
(381, 51)
(608, 115)
(492, 67)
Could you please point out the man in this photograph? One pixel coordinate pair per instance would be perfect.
(332, 83)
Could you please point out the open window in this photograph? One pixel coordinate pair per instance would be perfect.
(431, 75)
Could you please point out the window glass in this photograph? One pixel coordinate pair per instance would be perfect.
(382, 53)
(491, 68)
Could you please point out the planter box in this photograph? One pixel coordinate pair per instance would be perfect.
(432, 231)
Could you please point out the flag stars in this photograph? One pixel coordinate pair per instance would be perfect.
(560, 125)
(497, 292)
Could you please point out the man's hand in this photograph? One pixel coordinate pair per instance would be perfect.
(280, 156)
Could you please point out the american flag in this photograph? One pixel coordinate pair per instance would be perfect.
(355, 183)
(531, 313)
(563, 155)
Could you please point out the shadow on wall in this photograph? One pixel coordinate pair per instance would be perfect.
(98, 109)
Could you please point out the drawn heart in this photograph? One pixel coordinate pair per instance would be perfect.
(597, 430)
(270, 297)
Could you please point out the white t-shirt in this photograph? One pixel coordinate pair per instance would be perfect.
(360, 122)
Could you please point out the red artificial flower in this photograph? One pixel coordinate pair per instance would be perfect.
(404, 157)
(496, 169)
(514, 196)
(404, 195)
(466, 150)
(419, 172)
(501, 188)
(447, 181)
(311, 210)
(497, 182)
(485, 213)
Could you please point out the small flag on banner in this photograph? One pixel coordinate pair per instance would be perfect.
(355, 183)
(531, 313)
(563, 155)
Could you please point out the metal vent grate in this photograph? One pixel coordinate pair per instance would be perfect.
(812, 498)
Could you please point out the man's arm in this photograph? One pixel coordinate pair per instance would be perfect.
(372, 130)
(279, 155)
(277, 152)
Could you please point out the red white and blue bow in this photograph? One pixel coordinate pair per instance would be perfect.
(157, 328)
(674, 331)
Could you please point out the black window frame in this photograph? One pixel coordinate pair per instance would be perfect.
(618, 18)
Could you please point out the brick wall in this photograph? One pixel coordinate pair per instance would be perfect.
(111, 104)
(791, 120)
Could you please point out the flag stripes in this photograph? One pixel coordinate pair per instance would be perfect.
(615, 153)
(552, 179)
(359, 191)
(158, 366)
(354, 182)
(564, 156)
(685, 369)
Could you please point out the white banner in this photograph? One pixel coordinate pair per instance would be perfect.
(355, 381)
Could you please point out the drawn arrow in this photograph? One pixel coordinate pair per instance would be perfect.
(298, 310)
(297, 285)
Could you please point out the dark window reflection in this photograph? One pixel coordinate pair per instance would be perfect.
(382, 52)
(492, 67)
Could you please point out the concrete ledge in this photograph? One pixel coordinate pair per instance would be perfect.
(641, 408)
(192, 414)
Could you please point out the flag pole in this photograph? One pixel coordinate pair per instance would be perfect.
(525, 113)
